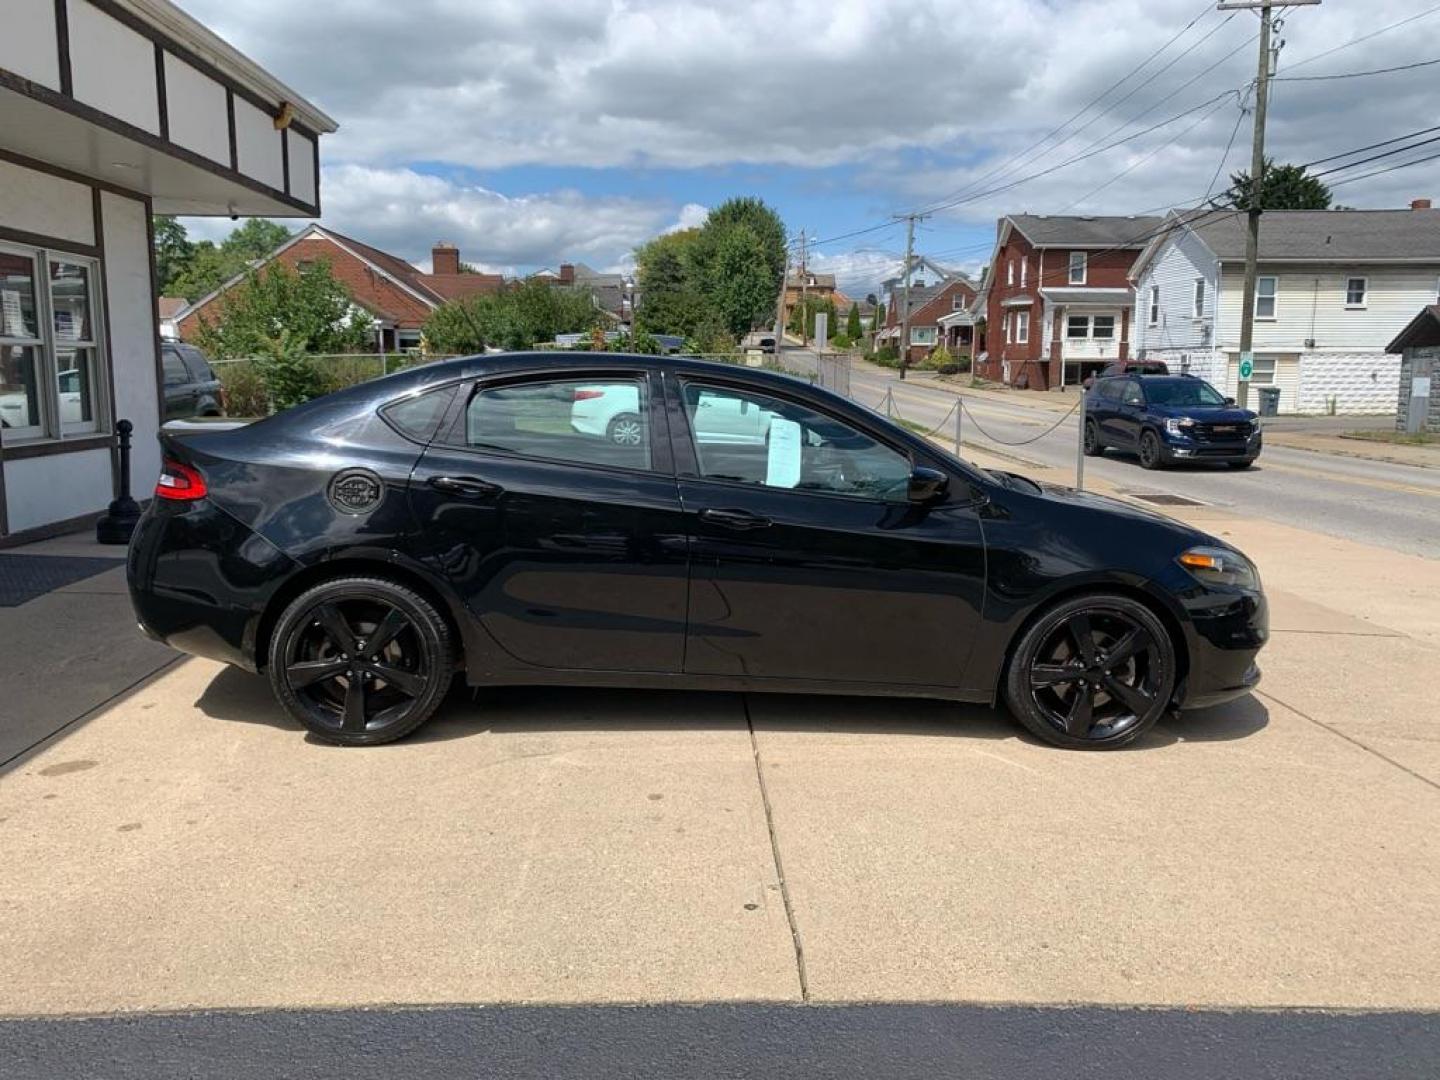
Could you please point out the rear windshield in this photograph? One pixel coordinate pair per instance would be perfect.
(1182, 392)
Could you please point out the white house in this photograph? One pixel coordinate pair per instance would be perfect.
(1334, 287)
(112, 111)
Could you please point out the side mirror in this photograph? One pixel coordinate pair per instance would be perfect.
(1229, 401)
(926, 484)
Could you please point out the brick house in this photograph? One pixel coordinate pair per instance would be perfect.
(397, 295)
(1057, 299)
(939, 314)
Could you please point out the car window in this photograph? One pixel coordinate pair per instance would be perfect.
(603, 421)
(175, 373)
(199, 369)
(1132, 395)
(753, 438)
(1185, 392)
(418, 416)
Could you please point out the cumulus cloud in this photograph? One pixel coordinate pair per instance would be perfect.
(925, 101)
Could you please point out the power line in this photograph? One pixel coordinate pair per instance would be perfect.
(1356, 74)
(1377, 157)
(1388, 169)
(1372, 146)
(1022, 157)
(1366, 37)
(1229, 145)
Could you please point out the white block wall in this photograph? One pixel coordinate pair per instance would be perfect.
(1362, 383)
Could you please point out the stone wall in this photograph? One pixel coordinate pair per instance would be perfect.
(1360, 383)
(1409, 362)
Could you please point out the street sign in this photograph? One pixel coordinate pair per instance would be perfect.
(1247, 365)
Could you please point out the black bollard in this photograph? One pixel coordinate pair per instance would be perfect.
(119, 522)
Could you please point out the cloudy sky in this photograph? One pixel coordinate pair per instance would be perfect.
(534, 131)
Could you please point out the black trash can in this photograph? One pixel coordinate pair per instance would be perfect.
(1269, 400)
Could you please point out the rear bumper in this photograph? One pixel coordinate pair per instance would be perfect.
(199, 580)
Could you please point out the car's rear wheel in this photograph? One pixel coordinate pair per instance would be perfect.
(360, 660)
(626, 430)
(1092, 673)
(1151, 455)
(1093, 446)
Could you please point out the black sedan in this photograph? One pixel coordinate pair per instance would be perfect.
(634, 521)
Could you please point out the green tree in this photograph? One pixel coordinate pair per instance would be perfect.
(802, 316)
(852, 323)
(173, 252)
(521, 317)
(1282, 187)
(760, 219)
(211, 265)
(309, 310)
(670, 300)
(735, 277)
(879, 322)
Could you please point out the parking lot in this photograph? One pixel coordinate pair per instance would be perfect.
(187, 848)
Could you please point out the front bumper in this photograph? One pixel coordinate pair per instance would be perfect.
(1184, 448)
(1225, 634)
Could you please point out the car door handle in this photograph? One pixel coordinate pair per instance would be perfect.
(735, 519)
(467, 487)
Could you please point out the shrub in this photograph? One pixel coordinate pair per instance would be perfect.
(886, 356)
(245, 393)
(289, 374)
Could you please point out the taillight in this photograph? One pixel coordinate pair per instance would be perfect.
(180, 483)
(588, 395)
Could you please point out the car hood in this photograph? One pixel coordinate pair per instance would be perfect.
(1069, 496)
(1205, 414)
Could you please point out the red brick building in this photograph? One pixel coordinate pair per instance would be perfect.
(397, 295)
(929, 304)
(1057, 300)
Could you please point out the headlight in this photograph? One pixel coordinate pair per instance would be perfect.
(1255, 425)
(1177, 427)
(1220, 566)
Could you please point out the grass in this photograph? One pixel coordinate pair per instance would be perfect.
(1396, 438)
(920, 429)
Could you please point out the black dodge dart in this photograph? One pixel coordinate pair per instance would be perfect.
(610, 520)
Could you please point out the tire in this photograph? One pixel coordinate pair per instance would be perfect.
(627, 429)
(1092, 673)
(1241, 464)
(319, 654)
(1093, 446)
(1152, 456)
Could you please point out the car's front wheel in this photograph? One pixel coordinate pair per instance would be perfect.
(1151, 454)
(361, 660)
(1092, 673)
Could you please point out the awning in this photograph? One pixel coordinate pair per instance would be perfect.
(1072, 297)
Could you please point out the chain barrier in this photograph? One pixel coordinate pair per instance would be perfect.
(1023, 442)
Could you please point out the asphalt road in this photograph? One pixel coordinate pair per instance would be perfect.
(1394, 506)
(732, 1041)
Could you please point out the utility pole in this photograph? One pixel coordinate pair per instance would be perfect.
(1257, 170)
(804, 293)
(910, 220)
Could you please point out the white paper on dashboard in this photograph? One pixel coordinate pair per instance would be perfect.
(782, 466)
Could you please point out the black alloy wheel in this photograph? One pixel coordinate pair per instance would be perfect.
(627, 429)
(1094, 672)
(360, 661)
(1093, 446)
(1151, 456)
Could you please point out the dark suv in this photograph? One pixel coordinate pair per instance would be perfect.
(191, 388)
(1169, 418)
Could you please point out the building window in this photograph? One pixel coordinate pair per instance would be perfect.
(1024, 265)
(1077, 268)
(1263, 373)
(1010, 273)
(1009, 320)
(1104, 326)
(1199, 298)
(922, 335)
(1154, 305)
(957, 302)
(1022, 328)
(1265, 291)
(50, 349)
(1077, 327)
(1355, 291)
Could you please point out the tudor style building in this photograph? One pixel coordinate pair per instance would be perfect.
(1057, 300)
(112, 111)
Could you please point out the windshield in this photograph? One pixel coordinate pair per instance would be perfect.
(1182, 392)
